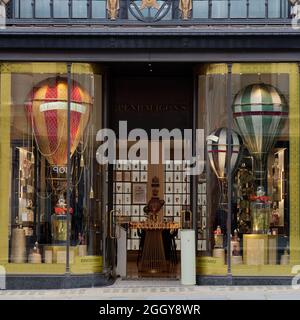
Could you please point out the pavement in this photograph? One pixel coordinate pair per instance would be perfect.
(157, 290)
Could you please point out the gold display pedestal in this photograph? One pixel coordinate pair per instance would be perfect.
(236, 260)
(260, 249)
(219, 253)
(153, 257)
(59, 253)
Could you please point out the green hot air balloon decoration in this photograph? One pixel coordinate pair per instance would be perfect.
(259, 113)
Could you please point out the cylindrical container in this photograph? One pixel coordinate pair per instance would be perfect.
(18, 248)
(260, 212)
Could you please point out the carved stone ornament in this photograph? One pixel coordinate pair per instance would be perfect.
(185, 6)
(149, 4)
(150, 10)
(113, 7)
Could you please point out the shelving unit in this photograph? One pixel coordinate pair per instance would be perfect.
(126, 175)
(176, 192)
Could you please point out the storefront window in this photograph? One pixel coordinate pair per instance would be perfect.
(34, 111)
(257, 8)
(219, 9)
(61, 9)
(212, 183)
(98, 9)
(200, 9)
(264, 173)
(238, 9)
(42, 9)
(80, 9)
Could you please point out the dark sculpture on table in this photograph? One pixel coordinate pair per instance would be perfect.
(155, 204)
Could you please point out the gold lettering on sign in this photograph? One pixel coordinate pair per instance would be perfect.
(185, 6)
(113, 7)
(149, 4)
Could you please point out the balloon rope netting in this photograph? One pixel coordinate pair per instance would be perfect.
(54, 189)
(58, 144)
(45, 155)
(223, 196)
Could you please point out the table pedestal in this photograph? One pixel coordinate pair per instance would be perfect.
(153, 257)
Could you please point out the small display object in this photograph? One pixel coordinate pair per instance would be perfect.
(275, 215)
(35, 255)
(59, 221)
(135, 165)
(236, 257)
(119, 187)
(139, 193)
(144, 176)
(218, 236)
(82, 246)
(260, 212)
(285, 258)
(202, 245)
(135, 176)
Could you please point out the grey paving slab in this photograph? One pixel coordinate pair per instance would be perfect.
(158, 290)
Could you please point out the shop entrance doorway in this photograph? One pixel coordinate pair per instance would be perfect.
(148, 199)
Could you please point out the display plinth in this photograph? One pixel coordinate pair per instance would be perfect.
(219, 253)
(59, 253)
(260, 249)
(236, 260)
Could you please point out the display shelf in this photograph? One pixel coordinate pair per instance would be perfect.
(176, 189)
(202, 215)
(127, 175)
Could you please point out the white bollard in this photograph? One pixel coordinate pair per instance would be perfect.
(188, 257)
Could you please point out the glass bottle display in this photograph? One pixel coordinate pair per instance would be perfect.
(260, 212)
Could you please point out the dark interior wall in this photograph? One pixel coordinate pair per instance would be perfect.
(162, 98)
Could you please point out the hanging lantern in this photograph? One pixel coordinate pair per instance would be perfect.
(259, 112)
(46, 109)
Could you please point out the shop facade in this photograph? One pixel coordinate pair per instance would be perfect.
(68, 220)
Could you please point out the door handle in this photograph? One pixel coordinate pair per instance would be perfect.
(112, 225)
(183, 221)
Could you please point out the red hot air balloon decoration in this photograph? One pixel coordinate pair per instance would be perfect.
(47, 113)
(46, 109)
